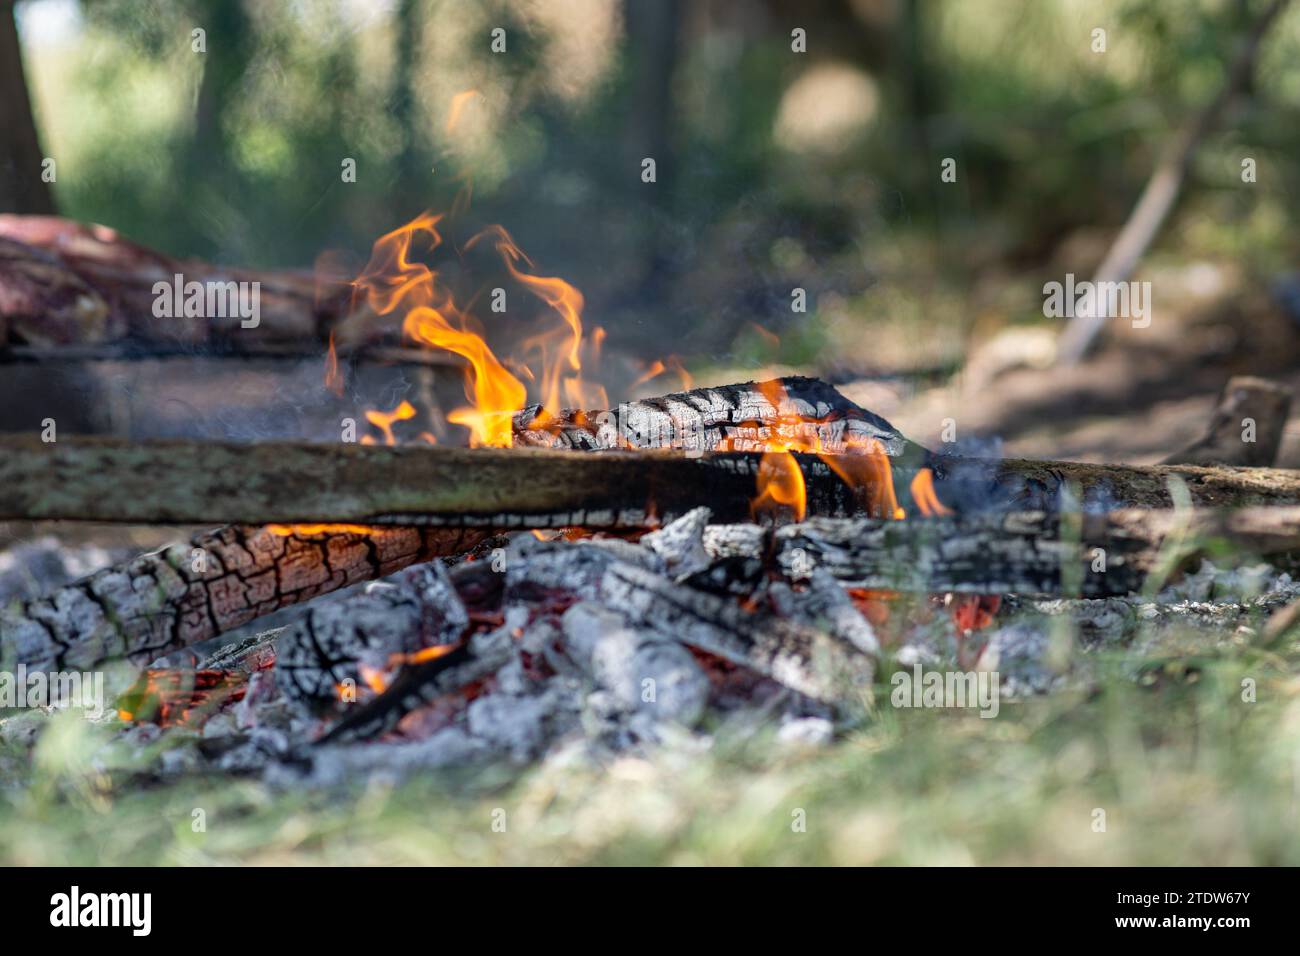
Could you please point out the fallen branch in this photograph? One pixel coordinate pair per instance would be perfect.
(86, 284)
(1162, 189)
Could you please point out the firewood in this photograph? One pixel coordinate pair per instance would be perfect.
(1091, 555)
(811, 661)
(405, 614)
(184, 482)
(187, 593)
(808, 415)
(120, 277)
(476, 659)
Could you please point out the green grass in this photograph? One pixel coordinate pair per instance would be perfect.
(1185, 770)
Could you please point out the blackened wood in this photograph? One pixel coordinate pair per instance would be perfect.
(187, 593)
(405, 613)
(809, 414)
(811, 661)
(475, 660)
(1093, 555)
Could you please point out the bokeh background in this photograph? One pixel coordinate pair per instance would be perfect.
(775, 170)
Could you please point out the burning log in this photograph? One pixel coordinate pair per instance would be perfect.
(796, 412)
(218, 581)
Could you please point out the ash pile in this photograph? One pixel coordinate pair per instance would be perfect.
(531, 649)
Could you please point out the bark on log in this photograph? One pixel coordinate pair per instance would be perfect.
(120, 276)
(182, 482)
(186, 593)
(1028, 485)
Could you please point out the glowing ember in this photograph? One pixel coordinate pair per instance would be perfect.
(179, 697)
(306, 530)
(378, 679)
(972, 612)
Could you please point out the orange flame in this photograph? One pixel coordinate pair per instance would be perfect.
(871, 477)
(559, 351)
(653, 370)
(290, 530)
(384, 421)
(378, 679)
(333, 377)
(458, 103)
(393, 280)
(865, 469)
(780, 484)
(924, 495)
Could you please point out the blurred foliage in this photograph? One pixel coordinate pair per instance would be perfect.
(235, 154)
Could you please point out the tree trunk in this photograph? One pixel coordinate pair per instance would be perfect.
(22, 189)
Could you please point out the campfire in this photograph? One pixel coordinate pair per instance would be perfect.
(539, 565)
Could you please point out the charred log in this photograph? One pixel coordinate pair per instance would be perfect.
(793, 412)
(321, 657)
(1090, 555)
(187, 593)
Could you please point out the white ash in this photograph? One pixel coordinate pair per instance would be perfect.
(28, 569)
(806, 732)
(681, 543)
(823, 603)
(639, 668)
(1253, 584)
(620, 672)
(1028, 659)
